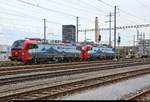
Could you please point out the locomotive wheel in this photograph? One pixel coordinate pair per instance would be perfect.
(60, 59)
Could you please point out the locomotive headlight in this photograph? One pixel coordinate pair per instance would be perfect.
(23, 53)
(16, 53)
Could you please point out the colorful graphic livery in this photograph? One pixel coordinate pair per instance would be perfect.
(34, 50)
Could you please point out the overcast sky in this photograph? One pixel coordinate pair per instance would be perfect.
(24, 18)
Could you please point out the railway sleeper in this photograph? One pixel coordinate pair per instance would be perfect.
(87, 84)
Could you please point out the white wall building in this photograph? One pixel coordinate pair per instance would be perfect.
(144, 47)
(4, 52)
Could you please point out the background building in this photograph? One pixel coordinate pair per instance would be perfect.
(144, 46)
(4, 52)
(68, 33)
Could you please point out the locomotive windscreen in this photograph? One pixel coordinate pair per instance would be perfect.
(17, 44)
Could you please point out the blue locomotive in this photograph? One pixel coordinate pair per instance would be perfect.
(34, 50)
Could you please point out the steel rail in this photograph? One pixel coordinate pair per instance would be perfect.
(8, 71)
(54, 68)
(140, 95)
(62, 64)
(57, 63)
(61, 89)
(48, 65)
(58, 73)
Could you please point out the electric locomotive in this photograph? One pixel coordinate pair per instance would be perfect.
(34, 50)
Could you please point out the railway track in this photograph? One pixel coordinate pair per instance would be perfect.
(51, 92)
(52, 67)
(48, 64)
(20, 65)
(9, 63)
(24, 67)
(143, 96)
(54, 70)
(62, 64)
(49, 67)
(70, 70)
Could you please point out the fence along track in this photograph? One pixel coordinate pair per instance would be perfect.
(55, 91)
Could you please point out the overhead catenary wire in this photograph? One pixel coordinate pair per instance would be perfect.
(83, 2)
(23, 25)
(53, 21)
(142, 4)
(99, 0)
(103, 11)
(79, 4)
(102, 1)
(119, 27)
(132, 15)
(80, 7)
(29, 18)
(86, 11)
(86, 3)
(26, 17)
(106, 3)
(127, 20)
(18, 7)
(22, 20)
(16, 11)
(21, 29)
(48, 9)
(75, 8)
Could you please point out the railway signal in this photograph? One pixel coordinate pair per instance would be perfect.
(119, 39)
(99, 38)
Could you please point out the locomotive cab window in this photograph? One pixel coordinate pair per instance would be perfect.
(90, 48)
(18, 44)
(78, 48)
(32, 46)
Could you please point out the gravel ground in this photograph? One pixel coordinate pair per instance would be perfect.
(113, 91)
(135, 92)
(8, 63)
(11, 88)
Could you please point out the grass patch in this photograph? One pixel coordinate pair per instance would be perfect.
(9, 63)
